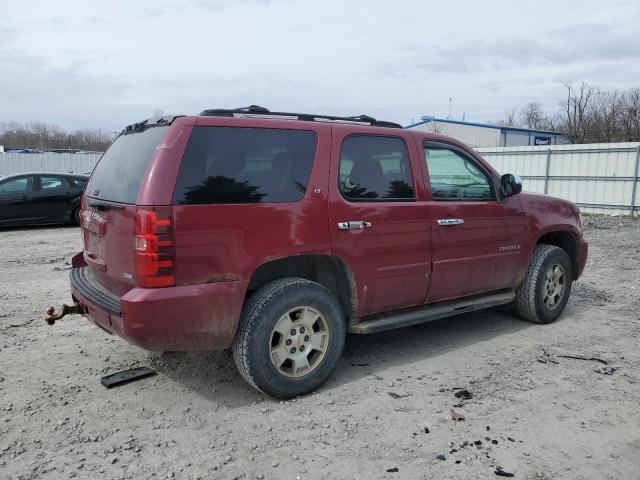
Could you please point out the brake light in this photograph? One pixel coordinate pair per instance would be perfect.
(153, 245)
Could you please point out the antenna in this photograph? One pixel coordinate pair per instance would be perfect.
(450, 117)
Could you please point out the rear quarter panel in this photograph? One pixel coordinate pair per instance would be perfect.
(228, 242)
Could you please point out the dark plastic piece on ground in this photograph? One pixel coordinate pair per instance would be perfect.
(392, 470)
(501, 473)
(126, 376)
(396, 395)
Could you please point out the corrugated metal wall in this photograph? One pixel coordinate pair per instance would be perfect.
(601, 178)
(11, 163)
(471, 135)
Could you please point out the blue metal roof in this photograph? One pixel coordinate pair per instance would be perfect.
(484, 125)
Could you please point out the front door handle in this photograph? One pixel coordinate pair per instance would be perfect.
(354, 225)
(450, 221)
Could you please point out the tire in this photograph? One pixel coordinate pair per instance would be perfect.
(75, 216)
(266, 324)
(539, 298)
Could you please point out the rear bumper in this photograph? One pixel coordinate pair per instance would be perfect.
(184, 318)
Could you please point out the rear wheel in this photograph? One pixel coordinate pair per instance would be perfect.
(75, 216)
(290, 337)
(545, 290)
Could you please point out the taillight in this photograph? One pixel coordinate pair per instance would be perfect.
(153, 244)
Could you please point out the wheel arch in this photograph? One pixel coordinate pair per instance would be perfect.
(328, 270)
(565, 240)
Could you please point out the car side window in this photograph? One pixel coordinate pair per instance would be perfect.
(17, 185)
(375, 168)
(50, 183)
(453, 176)
(245, 165)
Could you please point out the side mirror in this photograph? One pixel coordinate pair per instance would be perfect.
(510, 184)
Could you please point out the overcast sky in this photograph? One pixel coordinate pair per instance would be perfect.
(106, 64)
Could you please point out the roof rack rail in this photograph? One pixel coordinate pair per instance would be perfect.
(258, 110)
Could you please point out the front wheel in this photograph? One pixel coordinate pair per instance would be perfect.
(290, 337)
(545, 290)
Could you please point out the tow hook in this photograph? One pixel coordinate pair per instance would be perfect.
(52, 316)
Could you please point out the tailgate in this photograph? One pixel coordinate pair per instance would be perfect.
(108, 235)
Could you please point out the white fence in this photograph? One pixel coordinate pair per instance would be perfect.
(11, 163)
(599, 177)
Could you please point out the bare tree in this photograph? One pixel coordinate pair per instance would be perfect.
(603, 118)
(532, 115)
(511, 118)
(43, 136)
(630, 115)
(576, 109)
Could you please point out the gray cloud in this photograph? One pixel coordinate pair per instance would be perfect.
(69, 64)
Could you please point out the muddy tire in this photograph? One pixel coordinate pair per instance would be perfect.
(290, 337)
(545, 290)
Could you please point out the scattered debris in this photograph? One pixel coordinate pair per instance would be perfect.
(547, 357)
(551, 358)
(360, 364)
(579, 357)
(396, 395)
(392, 470)
(502, 473)
(441, 457)
(463, 394)
(607, 370)
(456, 416)
(16, 325)
(426, 430)
(126, 376)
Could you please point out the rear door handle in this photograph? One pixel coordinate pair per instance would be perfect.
(354, 225)
(450, 221)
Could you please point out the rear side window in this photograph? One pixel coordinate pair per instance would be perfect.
(375, 168)
(245, 165)
(53, 183)
(118, 175)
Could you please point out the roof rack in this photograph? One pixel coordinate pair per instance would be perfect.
(310, 117)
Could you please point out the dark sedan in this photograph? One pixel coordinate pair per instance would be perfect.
(40, 198)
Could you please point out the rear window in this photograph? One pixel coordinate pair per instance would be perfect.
(119, 172)
(245, 165)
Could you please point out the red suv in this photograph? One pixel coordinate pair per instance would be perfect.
(277, 233)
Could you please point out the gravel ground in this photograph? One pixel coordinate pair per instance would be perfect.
(533, 412)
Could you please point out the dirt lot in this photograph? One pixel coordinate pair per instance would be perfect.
(539, 416)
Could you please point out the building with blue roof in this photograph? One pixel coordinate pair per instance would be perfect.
(486, 135)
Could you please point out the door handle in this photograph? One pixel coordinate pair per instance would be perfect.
(354, 225)
(450, 221)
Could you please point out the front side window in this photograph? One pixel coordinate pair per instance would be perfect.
(375, 168)
(245, 165)
(53, 183)
(454, 176)
(17, 185)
